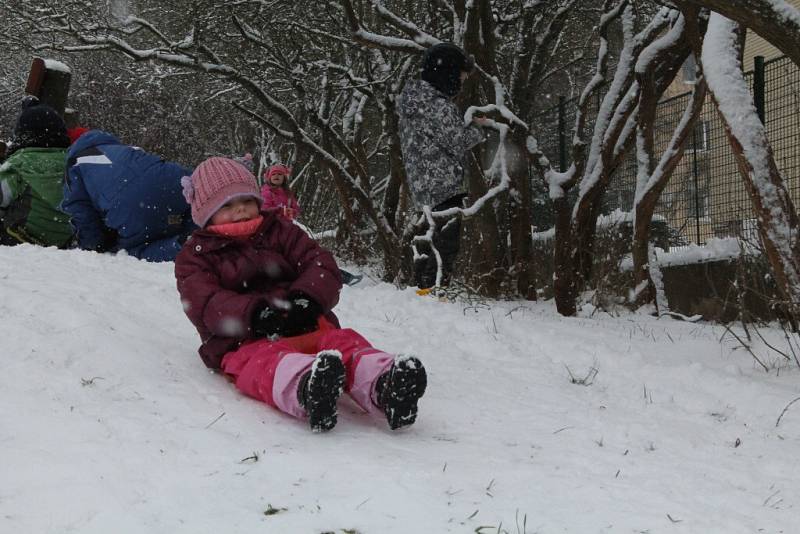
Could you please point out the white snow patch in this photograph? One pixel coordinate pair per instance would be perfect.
(715, 249)
(111, 423)
(54, 65)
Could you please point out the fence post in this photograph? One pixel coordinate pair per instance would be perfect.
(759, 83)
(696, 186)
(562, 134)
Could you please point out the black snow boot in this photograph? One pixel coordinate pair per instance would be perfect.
(320, 388)
(399, 389)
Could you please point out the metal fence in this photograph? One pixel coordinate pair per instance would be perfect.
(705, 196)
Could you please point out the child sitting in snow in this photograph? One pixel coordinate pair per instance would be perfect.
(276, 192)
(260, 293)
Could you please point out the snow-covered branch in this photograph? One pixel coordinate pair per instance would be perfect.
(367, 38)
(409, 28)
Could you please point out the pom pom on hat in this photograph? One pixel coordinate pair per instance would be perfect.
(214, 183)
(76, 132)
(188, 189)
(246, 160)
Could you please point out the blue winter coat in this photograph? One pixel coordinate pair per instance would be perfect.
(122, 198)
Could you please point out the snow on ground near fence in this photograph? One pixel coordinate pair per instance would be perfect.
(110, 422)
(715, 249)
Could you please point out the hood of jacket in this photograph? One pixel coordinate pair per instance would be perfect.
(90, 139)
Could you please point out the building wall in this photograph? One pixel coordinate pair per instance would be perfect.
(755, 45)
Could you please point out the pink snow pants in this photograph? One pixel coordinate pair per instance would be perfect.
(270, 371)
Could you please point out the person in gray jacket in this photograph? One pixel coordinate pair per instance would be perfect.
(435, 143)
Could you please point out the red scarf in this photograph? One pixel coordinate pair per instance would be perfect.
(240, 230)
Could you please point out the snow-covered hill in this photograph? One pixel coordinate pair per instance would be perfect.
(109, 422)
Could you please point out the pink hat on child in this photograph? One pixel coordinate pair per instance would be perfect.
(277, 169)
(215, 182)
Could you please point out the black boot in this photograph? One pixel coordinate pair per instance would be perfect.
(399, 389)
(320, 388)
(349, 278)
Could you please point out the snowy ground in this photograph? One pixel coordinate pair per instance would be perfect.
(109, 422)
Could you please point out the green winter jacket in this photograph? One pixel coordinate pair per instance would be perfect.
(31, 181)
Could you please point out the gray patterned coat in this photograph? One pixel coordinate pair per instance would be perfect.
(434, 142)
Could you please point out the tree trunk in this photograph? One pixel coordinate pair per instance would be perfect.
(653, 172)
(565, 289)
(577, 256)
(397, 170)
(520, 218)
(658, 177)
(777, 218)
(481, 240)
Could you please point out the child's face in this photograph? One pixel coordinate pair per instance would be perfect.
(237, 210)
(277, 179)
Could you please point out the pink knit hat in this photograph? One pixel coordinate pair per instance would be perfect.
(215, 182)
(277, 169)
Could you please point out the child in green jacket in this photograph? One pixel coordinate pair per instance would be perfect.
(31, 180)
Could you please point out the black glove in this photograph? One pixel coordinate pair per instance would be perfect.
(267, 322)
(302, 316)
(109, 242)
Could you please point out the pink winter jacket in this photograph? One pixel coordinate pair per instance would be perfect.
(277, 197)
(222, 280)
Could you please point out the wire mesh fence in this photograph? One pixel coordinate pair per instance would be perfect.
(706, 196)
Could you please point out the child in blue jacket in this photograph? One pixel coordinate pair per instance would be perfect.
(120, 197)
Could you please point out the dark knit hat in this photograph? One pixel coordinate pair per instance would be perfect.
(214, 183)
(39, 126)
(442, 67)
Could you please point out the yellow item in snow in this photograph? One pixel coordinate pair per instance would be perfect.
(423, 292)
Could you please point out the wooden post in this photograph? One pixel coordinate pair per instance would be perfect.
(562, 133)
(49, 80)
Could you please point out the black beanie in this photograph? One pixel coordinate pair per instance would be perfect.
(442, 67)
(39, 126)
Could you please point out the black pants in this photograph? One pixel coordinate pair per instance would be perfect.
(446, 236)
